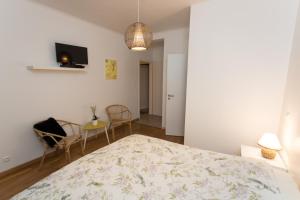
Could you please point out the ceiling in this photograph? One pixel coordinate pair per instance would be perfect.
(159, 15)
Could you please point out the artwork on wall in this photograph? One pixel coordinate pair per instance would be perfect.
(111, 69)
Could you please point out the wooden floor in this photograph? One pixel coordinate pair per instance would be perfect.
(17, 182)
(150, 120)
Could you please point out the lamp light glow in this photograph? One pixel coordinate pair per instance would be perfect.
(270, 141)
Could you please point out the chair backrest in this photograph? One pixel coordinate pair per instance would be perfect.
(50, 131)
(117, 112)
(47, 138)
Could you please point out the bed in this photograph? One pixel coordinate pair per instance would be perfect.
(144, 168)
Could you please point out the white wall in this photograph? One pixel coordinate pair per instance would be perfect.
(238, 60)
(175, 41)
(27, 37)
(290, 121)
(144, 87)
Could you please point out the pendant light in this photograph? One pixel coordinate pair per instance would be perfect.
(138, 36)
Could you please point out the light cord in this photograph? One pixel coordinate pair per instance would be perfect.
(138, 11)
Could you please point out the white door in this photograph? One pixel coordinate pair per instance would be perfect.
(176, 90)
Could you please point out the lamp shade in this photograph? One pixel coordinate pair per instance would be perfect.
(270, 141)
(138, 37)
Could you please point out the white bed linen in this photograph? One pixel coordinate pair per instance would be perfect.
(289, 188)
(141, 167)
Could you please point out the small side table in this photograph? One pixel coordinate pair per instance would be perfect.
(254, 152)
(90, 127)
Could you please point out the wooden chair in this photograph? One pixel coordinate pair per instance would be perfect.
(118, 115)
(65, 142)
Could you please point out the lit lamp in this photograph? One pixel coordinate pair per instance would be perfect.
(270, 144)
(138, 36)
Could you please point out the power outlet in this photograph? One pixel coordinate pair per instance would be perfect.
(5, 159)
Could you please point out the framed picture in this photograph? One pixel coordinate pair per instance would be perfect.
(111, 69)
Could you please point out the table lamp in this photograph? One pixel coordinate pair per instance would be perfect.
(269, 145)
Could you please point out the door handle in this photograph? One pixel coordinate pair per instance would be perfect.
(170, 96)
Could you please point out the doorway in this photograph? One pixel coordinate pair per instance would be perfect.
(147, 117)
(144, 88)
(151, 86)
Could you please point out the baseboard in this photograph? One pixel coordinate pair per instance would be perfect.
(34, 161)
(22, 166)
(37, 160)
(135, 119)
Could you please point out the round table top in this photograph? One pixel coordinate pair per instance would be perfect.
(90, 126)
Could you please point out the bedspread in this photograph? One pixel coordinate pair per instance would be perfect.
(144, 168)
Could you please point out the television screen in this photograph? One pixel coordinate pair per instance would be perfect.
(72, 55)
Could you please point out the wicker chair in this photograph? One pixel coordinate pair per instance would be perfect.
(65, 142)
(118, 115)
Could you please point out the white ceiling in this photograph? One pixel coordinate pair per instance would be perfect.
(159, 15)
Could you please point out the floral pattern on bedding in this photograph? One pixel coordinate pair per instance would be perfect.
(144, 168)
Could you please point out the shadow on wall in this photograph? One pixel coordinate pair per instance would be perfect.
(97, 12)
(291, 143)
(294, 160)
(102, 13)
(180, 19)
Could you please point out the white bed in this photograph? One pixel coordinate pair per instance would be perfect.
(141, 167)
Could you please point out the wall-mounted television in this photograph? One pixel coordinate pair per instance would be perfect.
(71, 56)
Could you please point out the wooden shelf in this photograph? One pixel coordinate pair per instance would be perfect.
(35, 68)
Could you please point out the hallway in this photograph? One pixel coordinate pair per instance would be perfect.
(150, 120)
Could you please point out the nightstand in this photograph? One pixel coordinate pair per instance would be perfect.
(254, 152)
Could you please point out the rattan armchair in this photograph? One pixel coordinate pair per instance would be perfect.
(118, 115)
(65, 142)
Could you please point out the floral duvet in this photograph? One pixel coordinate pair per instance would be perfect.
(144, 168)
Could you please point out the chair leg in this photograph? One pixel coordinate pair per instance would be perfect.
(81, 145)
(67, 155)
(56, 151)
(109, 127)
(113, 133)
(106, 135)
(42, 160)
(130, 128)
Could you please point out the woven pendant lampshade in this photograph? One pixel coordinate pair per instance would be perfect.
(138, 36)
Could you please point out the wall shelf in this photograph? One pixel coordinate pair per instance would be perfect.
(36, 68)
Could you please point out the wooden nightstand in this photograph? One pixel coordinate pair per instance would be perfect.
(254, 152)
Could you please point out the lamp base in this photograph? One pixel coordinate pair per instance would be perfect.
(268, 153)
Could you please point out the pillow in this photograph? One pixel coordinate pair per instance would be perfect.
(50, 126)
